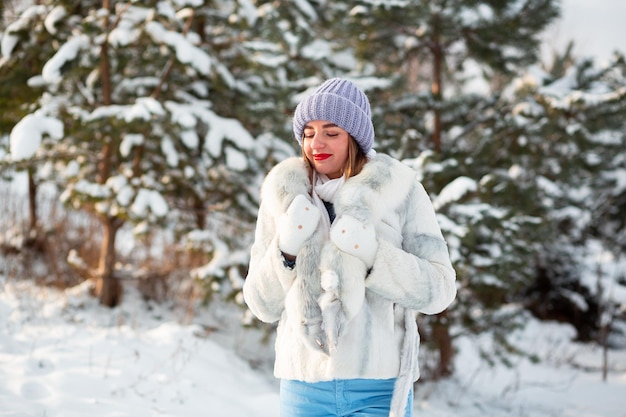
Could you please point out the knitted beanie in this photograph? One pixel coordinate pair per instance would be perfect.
(340, 102)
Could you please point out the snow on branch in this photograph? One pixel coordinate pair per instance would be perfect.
(190, 3)
(55, 16)
(51, 72)
(149, 200)
(454, 191)
(27, 134)
(144, 108)
(186, 52)
(221, 128)
(10, 37)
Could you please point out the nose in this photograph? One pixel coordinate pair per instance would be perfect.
(316, 141)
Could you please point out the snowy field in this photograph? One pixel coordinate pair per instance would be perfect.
(62, 355)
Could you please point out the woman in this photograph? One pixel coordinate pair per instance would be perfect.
(347, 250)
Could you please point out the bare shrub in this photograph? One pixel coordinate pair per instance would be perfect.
(62, 250)
(39, 253)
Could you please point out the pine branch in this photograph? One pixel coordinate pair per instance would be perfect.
(167, 70)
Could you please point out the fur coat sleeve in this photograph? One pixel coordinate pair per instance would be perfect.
(417, 275)
(268, 280)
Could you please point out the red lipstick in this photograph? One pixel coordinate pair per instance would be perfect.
(321, 156)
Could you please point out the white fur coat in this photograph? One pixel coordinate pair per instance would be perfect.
(364, 322)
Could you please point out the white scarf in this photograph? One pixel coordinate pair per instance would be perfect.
(325, 189)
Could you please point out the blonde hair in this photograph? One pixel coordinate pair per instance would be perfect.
(354, 163)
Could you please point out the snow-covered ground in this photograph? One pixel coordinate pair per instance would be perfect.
(63, 355)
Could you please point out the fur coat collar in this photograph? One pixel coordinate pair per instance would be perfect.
(359, 197)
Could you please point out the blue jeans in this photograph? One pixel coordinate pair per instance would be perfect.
(340, 398)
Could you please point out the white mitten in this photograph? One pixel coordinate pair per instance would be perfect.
(297, 224)
(356, 238)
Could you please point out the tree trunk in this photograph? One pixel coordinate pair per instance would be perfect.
(200, 212)
(441, 336)
(32, 202)
(441, 330)
(437, 87)
(108, 288)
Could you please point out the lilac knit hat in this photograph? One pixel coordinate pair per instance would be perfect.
(340, 102)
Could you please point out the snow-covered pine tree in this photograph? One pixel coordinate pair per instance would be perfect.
(23, 52)
(434, 49)
(573, 118)
(437, 53)
(131, 96)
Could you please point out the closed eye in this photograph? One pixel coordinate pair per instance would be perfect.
(309, 135)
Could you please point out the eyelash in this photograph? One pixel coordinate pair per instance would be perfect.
(332, 135)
